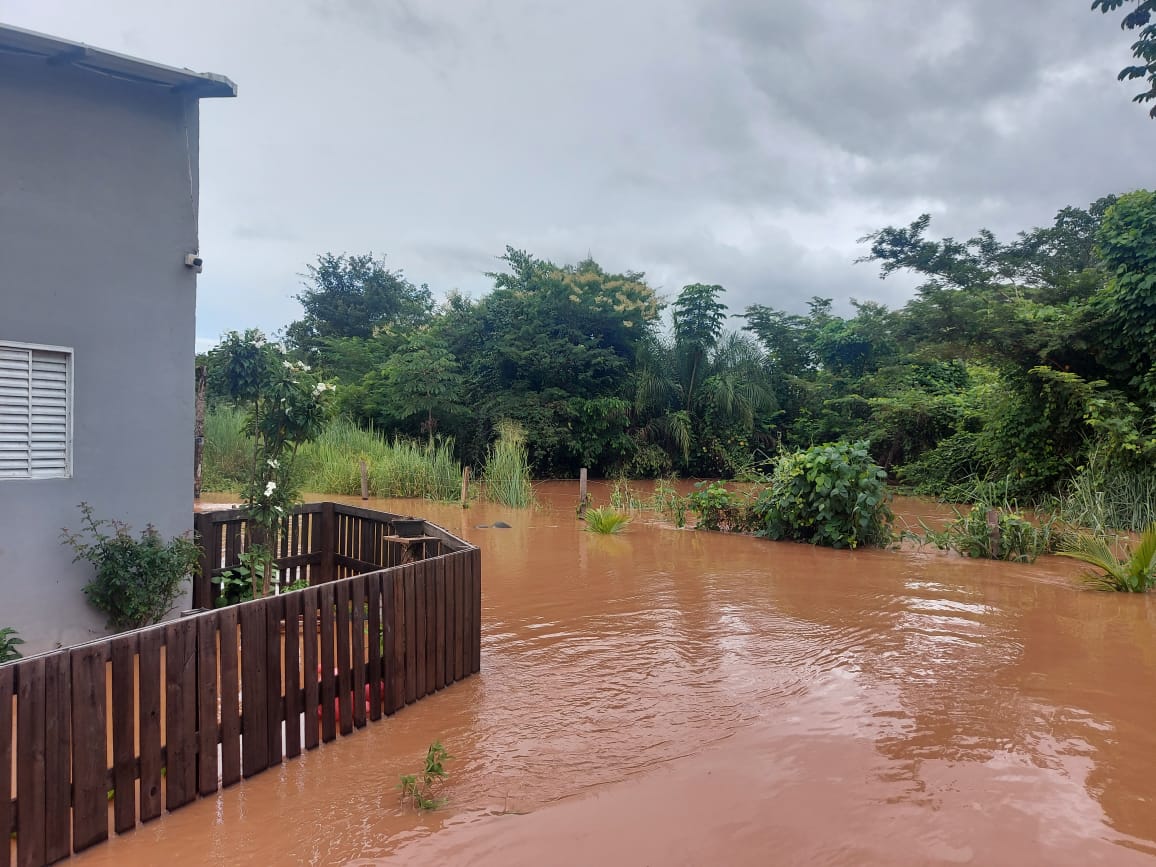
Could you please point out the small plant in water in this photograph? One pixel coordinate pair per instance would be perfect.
(606, 520)
(8, 641)
(1136, 573)
(420, 789)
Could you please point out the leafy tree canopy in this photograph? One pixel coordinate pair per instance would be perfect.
(1140, 18)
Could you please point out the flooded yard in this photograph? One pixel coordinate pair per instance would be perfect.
(672, 697)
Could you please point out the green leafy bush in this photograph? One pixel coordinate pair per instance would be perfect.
(8, 641)
(137, 579)
(832, 495)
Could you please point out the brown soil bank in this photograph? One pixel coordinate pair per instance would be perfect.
(671, 697)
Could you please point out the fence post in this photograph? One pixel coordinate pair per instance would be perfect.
(328, 543)
(993, 533)
(465, 487)
(203, 581)
(582, 501)
(364, 481)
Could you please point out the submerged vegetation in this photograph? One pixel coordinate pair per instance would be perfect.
(420, 790)
(1135, 572)
(605, 520)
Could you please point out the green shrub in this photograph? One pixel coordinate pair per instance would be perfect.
(137, 579)
(832, 495)
(605, 520)
(8, 641)
(721, 509)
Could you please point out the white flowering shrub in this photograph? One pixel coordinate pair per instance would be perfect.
(287, 406)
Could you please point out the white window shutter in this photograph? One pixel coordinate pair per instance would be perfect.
(35, 412)
(15, 412)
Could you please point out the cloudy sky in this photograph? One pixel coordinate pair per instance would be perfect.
(742, 142)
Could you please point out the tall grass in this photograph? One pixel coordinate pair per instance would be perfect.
(1105, 496)
(228, 454)
(507, 470)
(331, 463)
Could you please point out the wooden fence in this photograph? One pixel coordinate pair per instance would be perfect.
(104, 735)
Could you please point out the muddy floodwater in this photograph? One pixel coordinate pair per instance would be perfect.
(672, 697)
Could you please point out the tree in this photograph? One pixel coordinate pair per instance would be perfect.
(541, 347)
(421, 378)
(701, 389)
(1143, 49)
(354, 296)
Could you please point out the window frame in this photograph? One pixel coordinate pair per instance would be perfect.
(70, 409)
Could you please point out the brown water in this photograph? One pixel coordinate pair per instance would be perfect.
(672, 697)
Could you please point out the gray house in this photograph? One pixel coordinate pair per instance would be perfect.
(98, 264)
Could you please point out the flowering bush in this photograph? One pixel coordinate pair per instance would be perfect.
(287, 407)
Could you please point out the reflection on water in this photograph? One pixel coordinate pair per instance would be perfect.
(730, 696)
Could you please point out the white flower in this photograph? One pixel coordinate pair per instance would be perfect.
(272, 462)
(270, 488)
(288, 365)
(323, 387)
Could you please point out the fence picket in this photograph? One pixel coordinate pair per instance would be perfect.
(357, 600)
(344, 684)
(30, 763)
(254, 732)
(328, 683)
(7, 673)
(230, 698)
(58, 740)
(90, 790)
(180, 713)
(123, 653)
(208, 733)
(309, 631)
(292, 675)
(375, 672)
(149, 665)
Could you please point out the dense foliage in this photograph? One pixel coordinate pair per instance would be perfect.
(1021, 369)
(832, 495)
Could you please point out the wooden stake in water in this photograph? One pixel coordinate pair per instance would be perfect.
(582, 501)
(993, 533)
(364, 481)
(465, 487)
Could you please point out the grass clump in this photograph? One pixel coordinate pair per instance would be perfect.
(420, 789)
(1134, 573)
(1108, 495)
(606, 520)
(506, 473)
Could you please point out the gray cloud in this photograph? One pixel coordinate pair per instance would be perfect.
(732, 141)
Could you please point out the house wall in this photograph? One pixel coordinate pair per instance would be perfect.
(98, 189)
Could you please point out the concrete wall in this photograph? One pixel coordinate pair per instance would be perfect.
(97, 210)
